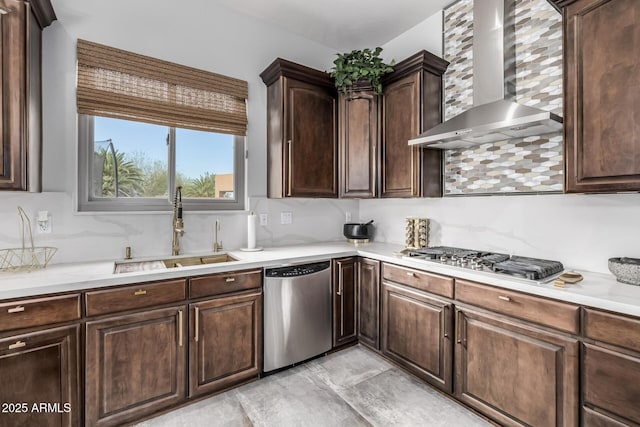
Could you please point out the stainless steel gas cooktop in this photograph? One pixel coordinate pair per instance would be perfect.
(531, 269)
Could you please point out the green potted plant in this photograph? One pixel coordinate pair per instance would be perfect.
(359, 66)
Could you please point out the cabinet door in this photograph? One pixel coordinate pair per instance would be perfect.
(226, 342)
(13, 90)
(602, 95)
(611, 386)
(359, 122)
(40, 368)
(416, 333)
(369, 302)
(310, 140)
(515, 373)
(135, 365)
(401, 122)
(344, 301)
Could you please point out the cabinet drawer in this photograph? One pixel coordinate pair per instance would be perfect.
(224, 283)
(554, 314)
(429, 282)
(138, 296)
(613, 329)
(40, 311)
(611, 383)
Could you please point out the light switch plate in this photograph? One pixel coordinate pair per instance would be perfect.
(286, 218)
(264, 219)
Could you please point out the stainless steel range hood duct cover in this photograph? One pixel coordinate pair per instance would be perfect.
(494, 117)
(496, 121)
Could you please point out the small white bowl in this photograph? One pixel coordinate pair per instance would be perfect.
(626, 270)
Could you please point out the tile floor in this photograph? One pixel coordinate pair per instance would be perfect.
(353, 387)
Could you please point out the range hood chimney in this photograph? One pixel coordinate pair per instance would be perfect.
(494, 116)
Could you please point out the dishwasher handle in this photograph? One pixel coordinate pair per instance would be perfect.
(297, 270)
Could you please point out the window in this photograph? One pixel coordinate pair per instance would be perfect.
(127, 165)
(147, 126)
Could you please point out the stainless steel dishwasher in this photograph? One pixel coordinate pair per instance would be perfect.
(297, 313)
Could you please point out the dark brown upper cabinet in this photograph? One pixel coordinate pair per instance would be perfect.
(602, 95)
(412, 103)
(21, 25)
(302, 145)
(359, 141)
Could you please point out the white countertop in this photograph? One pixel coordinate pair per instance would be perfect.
(596, 290)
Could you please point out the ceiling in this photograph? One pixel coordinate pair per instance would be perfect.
(341, 24)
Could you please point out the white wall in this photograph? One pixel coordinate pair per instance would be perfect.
(426, 35)
(210, 38)
(582, 231)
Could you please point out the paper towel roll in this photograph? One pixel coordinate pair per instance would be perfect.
(251, 231)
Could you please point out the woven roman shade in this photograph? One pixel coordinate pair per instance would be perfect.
(124, 85)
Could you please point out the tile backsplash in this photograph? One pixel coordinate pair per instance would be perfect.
(523, 165)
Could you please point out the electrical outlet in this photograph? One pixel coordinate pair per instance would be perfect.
(264, 219)
(347, 216)
(43, 222)
(286, 218)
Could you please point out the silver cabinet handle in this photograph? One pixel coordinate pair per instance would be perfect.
(443, 320)
(339, 284)
(180, 328)
(17, 309)
(504, 298)
(230, 279)
(17, 344)
(289, 167)
(196, 313)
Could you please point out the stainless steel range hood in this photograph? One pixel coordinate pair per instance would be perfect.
(494, 116)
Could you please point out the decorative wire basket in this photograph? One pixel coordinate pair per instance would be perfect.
(25, 258)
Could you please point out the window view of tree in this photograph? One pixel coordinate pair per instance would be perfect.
(203, 186)
(204, 161)
(138, 177)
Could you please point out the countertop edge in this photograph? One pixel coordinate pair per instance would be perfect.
(597, 290)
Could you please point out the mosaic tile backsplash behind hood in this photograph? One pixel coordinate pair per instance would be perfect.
(524, 165)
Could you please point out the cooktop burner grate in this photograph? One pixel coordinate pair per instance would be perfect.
(528, 268)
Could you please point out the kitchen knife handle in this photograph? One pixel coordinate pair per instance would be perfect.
(197, 323)
(289, 167)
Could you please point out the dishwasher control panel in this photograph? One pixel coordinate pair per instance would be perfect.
(297, 270)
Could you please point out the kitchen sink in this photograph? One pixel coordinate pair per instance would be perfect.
(160, 264)
(197, 260)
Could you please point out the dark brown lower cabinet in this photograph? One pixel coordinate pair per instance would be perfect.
(369, 302)
(226, 342)
(40, 368)
(515, 373)
(611, 387)
(344, 301)
(135, 365)
(416, 333)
